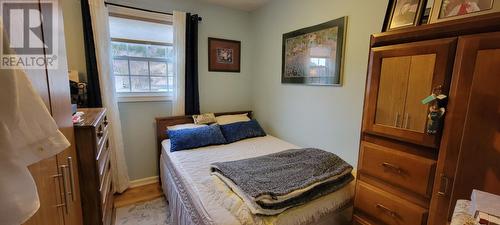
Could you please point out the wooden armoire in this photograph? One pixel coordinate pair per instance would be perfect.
(57, 177)
(407, 176)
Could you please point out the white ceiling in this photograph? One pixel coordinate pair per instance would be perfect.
(245, 5)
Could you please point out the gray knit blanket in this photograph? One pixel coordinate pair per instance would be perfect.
(287, 178)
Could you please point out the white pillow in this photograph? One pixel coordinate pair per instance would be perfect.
(186, 126)
(228, 119)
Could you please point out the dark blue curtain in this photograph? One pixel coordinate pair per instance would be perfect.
(192, 98)
(93, 89)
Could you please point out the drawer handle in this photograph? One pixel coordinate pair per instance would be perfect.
(71, 178)
(445, 181)
(392, 167)
(396, 120)
(64, 174)
(63, 205)
(390, 212)
(406, 119)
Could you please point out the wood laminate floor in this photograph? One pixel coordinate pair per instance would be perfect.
(138, 194)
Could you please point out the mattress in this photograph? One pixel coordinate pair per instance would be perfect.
(211, 197)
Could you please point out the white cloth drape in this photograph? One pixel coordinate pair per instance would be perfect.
(100, 27)
(28, 134)
(179, 22)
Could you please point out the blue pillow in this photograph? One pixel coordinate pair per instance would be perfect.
(238, 131)
(185, 139)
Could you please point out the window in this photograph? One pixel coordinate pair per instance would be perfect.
(319, 62)
(319, 67)
(142, 68)
(142, 54)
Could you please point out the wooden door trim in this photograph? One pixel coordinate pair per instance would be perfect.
(444, 50)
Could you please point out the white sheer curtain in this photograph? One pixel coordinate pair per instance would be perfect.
(179, 23)
(100, 27)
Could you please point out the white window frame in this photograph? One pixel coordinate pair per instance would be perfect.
(149, 17)
(142, 96)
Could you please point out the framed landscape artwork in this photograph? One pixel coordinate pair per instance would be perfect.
(224, 55)
(314, 55)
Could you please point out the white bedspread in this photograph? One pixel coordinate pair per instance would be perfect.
(226, 208)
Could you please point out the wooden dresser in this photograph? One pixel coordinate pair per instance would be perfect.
(93, 148)
(407, 176)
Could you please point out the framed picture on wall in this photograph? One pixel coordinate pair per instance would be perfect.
(445, 10)
(403, 13)
(224, 55)
(314, 55)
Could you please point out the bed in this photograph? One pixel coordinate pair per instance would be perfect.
(197, 198)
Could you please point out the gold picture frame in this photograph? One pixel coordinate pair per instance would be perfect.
(403, 13)
(446, 10)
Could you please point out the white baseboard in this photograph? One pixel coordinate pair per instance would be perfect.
(144, 181)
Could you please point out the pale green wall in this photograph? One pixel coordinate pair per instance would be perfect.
(73, 33)
(218, 91)
(139, 136)
(311, 116)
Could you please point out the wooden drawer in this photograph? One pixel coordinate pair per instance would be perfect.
(103, 159)
(105, 170)
(101, 131)
(106, 184)
(103, 142)
(108, 209)
(402, 169)
(388, 208)
(93, 148)
(357, 220)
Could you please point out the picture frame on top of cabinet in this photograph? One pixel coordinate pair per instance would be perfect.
(427, 12)
(445, 10)
(403, 13)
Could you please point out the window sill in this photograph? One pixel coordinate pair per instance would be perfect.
(144, 98)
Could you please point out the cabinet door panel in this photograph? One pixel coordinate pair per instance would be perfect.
(47, 182)
(61, 111)
(481, 138)
(45, 173)
(57, 207)
(419, 87)
(430, 62)
(470, 147)
(392, 91)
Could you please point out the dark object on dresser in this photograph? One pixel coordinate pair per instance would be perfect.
(93, 148)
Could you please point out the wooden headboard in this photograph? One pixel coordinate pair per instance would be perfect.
(163, 122)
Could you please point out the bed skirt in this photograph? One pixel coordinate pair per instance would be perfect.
(183, 212)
